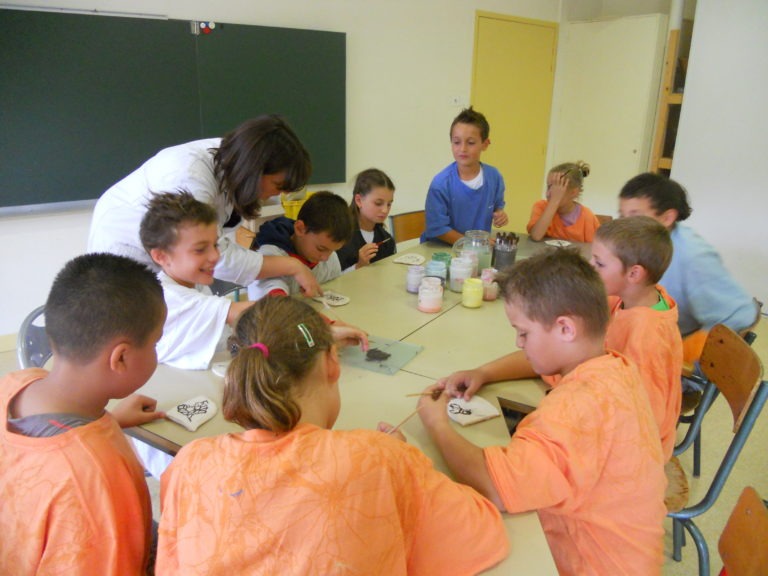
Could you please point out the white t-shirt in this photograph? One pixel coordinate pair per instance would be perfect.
(118, 213)
(196, 326)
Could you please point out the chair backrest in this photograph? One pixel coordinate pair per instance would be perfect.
(32, 347)
(408, 226)
(603, 218)
(734, 367)
(742, 544)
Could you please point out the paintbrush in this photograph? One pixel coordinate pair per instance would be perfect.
(435, 395)
(383, 241)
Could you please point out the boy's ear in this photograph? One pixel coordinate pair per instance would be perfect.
(486, 143)
(159, 256)
(117, 358)
(300, 228)
(567, 328)
(668, 217)
(637, 274)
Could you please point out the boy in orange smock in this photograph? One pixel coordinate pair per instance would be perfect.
(291, 496)
(74, 497)
(631, 255)
(589, 457)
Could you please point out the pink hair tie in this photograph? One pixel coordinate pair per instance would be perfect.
(262, 347)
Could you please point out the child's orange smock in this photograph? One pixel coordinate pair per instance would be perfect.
(75, 503)
(583, 230)
(316, 501)
(589, 460)
(651, 339)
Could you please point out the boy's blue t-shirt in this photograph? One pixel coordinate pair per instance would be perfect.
(452, 205)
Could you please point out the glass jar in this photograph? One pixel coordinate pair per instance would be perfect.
(461, 269)
(472, 293)
(478, 241)
(413, 278)
(430, 295)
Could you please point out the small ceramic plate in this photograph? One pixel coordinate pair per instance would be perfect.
(333, 298)
(219, 368)
(410, 259)
(558, 243)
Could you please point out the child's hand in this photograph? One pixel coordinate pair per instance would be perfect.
(386, 427)
(366, 254)
(462, 384)
(433, 409)
(500, 218)
(557, 192)
(309, 285)
(347, 335)
(136, 410)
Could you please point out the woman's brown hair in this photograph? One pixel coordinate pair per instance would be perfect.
(262, 145)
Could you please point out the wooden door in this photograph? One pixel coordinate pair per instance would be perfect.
(513, 75)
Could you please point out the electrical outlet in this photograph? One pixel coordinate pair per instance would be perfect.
(458, 101)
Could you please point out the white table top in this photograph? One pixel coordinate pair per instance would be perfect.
(380, 304)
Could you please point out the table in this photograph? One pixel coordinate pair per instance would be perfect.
(379, 303)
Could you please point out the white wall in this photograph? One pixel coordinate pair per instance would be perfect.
(405, 60)
(720, 155)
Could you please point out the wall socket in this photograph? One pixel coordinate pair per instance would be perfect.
(460, 101)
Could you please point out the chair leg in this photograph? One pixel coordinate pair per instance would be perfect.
(701, 547)
(697, 455)
(677, 540)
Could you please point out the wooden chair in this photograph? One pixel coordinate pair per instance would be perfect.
(603, 218)
(408, 226)
(695, 404)
(32, 347)
(734, 369)
(743, 544)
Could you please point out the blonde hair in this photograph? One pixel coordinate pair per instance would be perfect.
(639, 240)
(575, 172)
(262, 382)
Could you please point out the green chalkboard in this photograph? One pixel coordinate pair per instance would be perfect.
(85, 99)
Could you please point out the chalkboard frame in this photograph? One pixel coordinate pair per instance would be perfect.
(85, 99)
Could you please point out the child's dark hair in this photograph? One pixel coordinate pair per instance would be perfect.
(470, 116)
(575, 172)
(262, 381)
(639, 240)
(663, 193)
(96, 298)
(262, 145)
(557, 283)
(168, 212)
(327, 212)
(366, 181)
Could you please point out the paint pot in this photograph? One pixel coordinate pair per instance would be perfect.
(430, 295)
(472, 293)
(413, 278)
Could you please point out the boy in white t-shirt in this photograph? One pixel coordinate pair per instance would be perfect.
(180, 234)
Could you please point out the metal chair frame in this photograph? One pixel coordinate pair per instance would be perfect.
(741, 384)
(33, 349)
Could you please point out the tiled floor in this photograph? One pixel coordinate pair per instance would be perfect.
(751, 469)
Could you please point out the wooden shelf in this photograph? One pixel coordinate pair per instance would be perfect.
(667, 118)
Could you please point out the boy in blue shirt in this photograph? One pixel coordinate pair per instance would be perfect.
(466, 195)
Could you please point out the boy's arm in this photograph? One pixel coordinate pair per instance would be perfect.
(450, 237)
(465, 460)
(136, 410)
(274, 266)
(466, 383)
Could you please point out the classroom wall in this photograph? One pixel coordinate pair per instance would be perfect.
(721, 146)
(406, 61)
